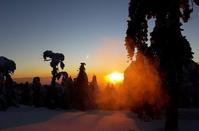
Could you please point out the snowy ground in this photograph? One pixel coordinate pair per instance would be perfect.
(42, 119)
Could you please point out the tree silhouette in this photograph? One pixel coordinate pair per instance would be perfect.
(7, 68)
(67, 85)
(36, 85)
(82, 78)
(55, 59)
(94, 83)
(168, 47)
(82, 88)
(93, 91)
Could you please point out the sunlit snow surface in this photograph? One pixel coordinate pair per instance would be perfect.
(42, 119)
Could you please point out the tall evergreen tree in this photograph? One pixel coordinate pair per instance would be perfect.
(82, 88)
(94, 83)
(82, 78)
(168, 47)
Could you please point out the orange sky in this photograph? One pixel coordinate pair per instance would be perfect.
(110, 56)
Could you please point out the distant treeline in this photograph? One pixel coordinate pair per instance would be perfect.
(70, 93)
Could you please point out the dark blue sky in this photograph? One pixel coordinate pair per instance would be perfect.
(84, 30)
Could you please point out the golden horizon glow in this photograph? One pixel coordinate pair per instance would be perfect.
(115, 77)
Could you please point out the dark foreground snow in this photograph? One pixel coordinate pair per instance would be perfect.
(42, 119)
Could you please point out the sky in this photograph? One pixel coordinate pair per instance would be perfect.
(90, 31)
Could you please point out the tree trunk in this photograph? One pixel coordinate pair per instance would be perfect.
(172, 112)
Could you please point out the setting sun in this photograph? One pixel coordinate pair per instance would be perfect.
(115, 77)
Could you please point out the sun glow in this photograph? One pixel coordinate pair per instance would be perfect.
(115, 77)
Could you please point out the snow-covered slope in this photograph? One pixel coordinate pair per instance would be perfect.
(42, 119)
